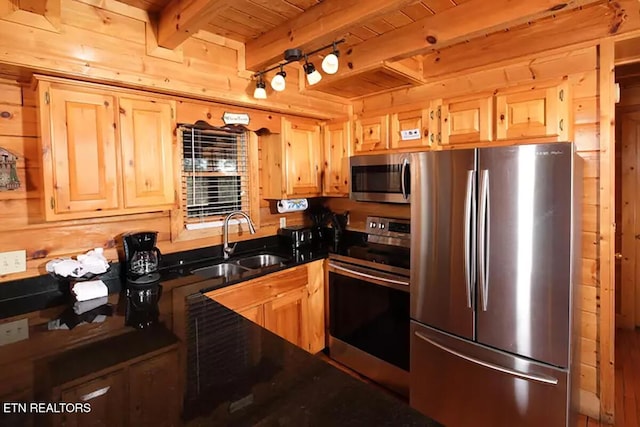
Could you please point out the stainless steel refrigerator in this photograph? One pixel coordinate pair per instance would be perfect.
(494, 267)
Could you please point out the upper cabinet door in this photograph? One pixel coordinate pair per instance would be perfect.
(302, 154)
(415, 124)
(372, 134)
(468, 121)
(146, 129)
(537, 113)
(337, 149)
(79, 152)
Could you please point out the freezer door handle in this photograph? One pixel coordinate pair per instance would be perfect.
(467, 236)
(483, 238)
(545, 379)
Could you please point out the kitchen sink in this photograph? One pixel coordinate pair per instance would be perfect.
(260, 261)
(219, 270)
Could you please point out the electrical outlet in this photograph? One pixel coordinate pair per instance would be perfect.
(13, 262)
(283, 222)
(11, 332)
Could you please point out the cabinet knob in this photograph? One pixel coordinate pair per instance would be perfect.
(618, 255)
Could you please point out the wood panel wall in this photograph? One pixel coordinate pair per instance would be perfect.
(109, 41)
(580, 68)
(21, 218)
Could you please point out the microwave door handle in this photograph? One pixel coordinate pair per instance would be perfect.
(403, 178)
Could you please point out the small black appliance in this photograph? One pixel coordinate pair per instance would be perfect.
(142, 258)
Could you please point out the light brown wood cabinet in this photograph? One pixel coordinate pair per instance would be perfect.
(79, 151)
(290, 303)
(371, 134)
(417, 121)
(103, 152)
(534, 113)
(286, 316)
(336, 138)
(146, 135)
(292, 161)
(466, 121)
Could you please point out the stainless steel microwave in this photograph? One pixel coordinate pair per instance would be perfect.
(381, 178)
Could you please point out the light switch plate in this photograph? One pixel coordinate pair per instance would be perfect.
(11, 332)
(13, 262)
(283, 222)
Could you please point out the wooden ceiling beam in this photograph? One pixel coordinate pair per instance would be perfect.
(183, 18)
(316, 26)
(474, 18)
(586, 25)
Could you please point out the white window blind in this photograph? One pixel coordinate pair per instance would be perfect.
(215, 177)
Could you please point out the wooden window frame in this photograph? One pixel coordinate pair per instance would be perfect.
(179, 232)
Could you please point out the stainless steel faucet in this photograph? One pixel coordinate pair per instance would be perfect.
(227, 250)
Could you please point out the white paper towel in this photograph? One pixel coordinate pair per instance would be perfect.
(89, 290)
(293, 205)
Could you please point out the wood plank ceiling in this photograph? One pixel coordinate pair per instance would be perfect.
(248, 19)
(267, 27)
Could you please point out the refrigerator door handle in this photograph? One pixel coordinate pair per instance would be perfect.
(545, 379)
(467, 235)
(483, 238)
(403, 178)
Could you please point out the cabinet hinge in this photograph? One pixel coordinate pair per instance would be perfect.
(53, 202)
(439, 112)
(561, 95)
(439, 137)
(47, 100)
(172, 113)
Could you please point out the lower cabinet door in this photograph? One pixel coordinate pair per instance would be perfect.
(255, 314)
(106, 395)
(286, 316)
(153, 387)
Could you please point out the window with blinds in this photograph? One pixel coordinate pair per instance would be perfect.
(215, 177)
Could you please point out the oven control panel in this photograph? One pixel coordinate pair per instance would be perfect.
(389, 231)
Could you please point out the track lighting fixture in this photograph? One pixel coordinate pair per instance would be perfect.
(278, 82)
(330, 62)
(313, 76)
(260, 92)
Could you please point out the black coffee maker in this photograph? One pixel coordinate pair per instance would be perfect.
(142, 258)
(143, 289)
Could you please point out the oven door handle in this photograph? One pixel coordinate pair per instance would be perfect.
(404, 284)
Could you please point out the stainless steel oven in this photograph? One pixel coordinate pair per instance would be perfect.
(369, 305)
(381, 178)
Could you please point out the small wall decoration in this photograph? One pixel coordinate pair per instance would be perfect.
(8, 173)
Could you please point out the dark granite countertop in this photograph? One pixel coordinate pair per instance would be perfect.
(257, 378)
(233, 372)
(236, 373)
(41, 292)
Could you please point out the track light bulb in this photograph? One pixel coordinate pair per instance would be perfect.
(260, 92)
(278, 82)
(313, 76)
(330, 62)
